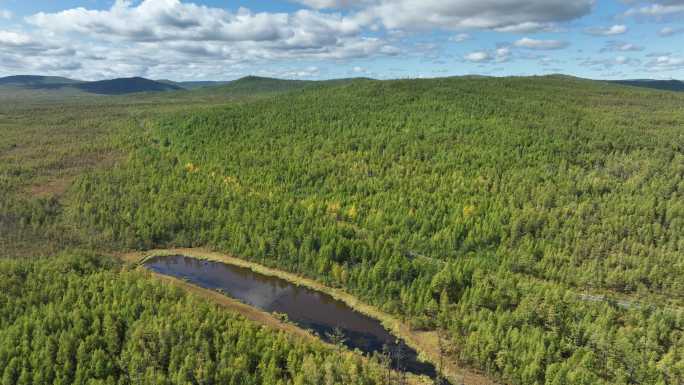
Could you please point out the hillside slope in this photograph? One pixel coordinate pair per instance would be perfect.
(36, 81)
(255, 85)
(252, 85)
(484, 207)
(125, 86)
(193, 85)
(91, 323)
(46, 86)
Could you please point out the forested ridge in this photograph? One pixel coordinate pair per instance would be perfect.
(482, 207)
(491, 202)
(78, 320)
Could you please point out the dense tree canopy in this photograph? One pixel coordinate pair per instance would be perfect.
(538, 221)
(74, 320)
(492, 201)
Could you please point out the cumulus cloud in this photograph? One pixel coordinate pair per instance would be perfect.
(19, 43)
(478, 56)
(362, 71)
(607, 31)
(508, 16)
(163, 31)
(164, 20)
(14, 39)
(502, 54)
(499, 55)
(529, 43)
(658, 9)
(183, 39)
(5, 14)
(20, 52)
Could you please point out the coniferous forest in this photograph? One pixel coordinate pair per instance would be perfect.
(543, 235)
(73, 320)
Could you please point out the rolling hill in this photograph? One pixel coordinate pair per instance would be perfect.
(484, 206)
(193, 85)
(257, 85)
(125, 86)
(533, 222)
(58, 86)
(664, 85)
(253, 85)
(37, 81)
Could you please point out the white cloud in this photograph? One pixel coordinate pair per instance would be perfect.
(164, 20)
(5, 14)
(509, 15)
(529, 43)
(666, 63)
(669, 31)
(461, 37)
(527, 27)
(182, 39)
(657, 9)
(478, 56)
(502, 54)
(620, 46)
(499, 55)
(610, 31)
(147, 37)
(14, 39)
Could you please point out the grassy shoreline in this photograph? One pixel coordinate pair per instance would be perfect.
(424, 342)
(266, 319)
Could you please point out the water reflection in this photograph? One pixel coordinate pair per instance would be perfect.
(307, 308)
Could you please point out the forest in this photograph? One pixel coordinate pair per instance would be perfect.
(543, 236)
(78, 319)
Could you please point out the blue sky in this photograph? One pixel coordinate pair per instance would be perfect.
(318, 39)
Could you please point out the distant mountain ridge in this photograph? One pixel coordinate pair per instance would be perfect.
(124, 86)
(120, 86)
(248, 85)
(257, 85)
(192, 85)
(37, 81)
(665, 85)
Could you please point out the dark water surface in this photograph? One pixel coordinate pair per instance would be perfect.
(305, 307)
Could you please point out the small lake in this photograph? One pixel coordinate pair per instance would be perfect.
(305, 307)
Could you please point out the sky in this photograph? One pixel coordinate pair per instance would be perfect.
(186, 40)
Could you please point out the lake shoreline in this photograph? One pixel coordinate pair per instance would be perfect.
(423, 342)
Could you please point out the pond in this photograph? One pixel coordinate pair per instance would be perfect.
(307, 308)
